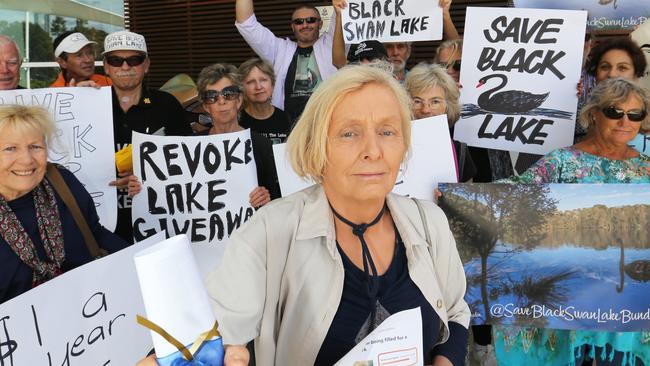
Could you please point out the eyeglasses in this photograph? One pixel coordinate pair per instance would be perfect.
(454, 65)
(228, 93)
(634, 115)
(431, 103)
(309, 20)
(116, 61)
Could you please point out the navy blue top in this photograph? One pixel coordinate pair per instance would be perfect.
(16, 276)
(397, 292)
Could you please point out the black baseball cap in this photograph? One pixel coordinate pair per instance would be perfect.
(367, 50)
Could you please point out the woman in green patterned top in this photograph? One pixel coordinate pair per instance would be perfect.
(613, 115)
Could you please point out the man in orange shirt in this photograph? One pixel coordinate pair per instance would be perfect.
(75, 55)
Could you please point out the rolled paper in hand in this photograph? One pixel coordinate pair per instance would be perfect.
(176, 302)
(124, 159)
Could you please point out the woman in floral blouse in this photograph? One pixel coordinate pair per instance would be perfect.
(613, 115)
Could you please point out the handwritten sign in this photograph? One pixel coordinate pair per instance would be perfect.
(84, 143)
(519, 77)
(83, 317)
(196, 185)
(392, 21)
(429, 138)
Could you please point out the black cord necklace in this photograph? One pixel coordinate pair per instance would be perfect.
(369, 267)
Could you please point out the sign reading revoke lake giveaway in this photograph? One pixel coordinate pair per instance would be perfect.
(519, 77)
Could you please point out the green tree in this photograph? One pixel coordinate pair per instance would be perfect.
(58, 26)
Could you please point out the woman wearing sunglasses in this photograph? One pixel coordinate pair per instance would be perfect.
(614, 113)
(219, 89)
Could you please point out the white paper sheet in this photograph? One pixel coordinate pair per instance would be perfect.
(395, 342)
(173, 292)
(85, 316)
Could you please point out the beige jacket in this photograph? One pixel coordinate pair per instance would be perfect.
(281, 277)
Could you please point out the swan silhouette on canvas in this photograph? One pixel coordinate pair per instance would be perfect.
(508, 101)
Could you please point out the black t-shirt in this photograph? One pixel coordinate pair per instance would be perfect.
(275, 128)
(157, 112)
(302, 79)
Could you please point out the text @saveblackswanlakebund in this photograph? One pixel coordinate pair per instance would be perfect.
(568, 313)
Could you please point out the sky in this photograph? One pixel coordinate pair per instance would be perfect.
(573, 196)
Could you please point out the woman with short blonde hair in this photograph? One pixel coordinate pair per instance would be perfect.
(40, 238)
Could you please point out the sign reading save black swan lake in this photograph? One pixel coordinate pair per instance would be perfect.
(520, 70)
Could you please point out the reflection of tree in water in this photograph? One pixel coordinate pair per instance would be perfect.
(480, 213)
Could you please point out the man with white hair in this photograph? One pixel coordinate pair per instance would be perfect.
(136, 108)
(10, 62)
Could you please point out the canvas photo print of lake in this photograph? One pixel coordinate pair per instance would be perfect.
(565, 256)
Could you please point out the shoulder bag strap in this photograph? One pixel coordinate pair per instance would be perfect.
(56, 179)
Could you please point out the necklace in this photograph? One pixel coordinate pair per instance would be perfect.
(369, 267)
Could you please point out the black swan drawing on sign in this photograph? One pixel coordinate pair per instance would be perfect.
(509, 101)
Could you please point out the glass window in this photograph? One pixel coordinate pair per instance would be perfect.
(35, 24)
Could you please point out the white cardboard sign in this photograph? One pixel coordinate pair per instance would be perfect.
(431, 162)
(83, 317)
(84, 145)
(197, 185)
(391, 21)
(520, 71)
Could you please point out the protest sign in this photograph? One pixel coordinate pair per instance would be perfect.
(84, 141)
(431, 162)
(604, 15)
(83, 317)
(196, 185)
(391, 21)
(538, 255)
(519, 76)
(396, 341)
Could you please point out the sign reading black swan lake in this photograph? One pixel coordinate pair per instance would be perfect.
(520, 69)
(197, 185)
(564, 256)
(391, 21)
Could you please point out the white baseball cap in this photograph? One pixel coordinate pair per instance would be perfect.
(72, 44)
(124, 41)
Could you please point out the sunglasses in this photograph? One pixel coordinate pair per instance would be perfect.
(454, 65)
(634, 115)
(309, 20)
(228, 93)
(117, 61)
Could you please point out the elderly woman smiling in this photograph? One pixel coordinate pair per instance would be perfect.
(313, 273)
(39, 238)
